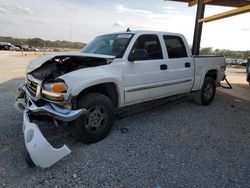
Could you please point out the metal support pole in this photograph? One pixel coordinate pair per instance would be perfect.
(198, 28)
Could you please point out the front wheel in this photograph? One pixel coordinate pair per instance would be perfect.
(206, 95)
(97, 123)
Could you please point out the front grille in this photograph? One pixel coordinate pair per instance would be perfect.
(32, 87)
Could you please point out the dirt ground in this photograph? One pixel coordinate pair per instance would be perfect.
(13, 63)
(240, 87)
(169, 143)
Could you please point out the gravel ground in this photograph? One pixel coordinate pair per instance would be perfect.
(169, 143)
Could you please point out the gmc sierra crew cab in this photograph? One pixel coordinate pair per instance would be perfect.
(114, 70)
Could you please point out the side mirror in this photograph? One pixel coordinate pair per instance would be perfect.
(137, 54)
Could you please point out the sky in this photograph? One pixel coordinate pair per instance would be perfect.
(52, 20)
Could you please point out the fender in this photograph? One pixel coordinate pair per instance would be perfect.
(200, 74)
(81, 79)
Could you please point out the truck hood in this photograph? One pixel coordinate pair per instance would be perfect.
(38, 62)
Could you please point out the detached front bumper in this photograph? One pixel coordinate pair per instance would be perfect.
(41, 152)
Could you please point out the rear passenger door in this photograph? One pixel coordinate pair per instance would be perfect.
(180, 64)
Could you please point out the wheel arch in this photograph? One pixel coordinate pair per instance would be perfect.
(201, 75)
(212, 74)
(109, 89)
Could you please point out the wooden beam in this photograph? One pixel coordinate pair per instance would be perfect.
(226, 14)
(194, 2)
(207, 1)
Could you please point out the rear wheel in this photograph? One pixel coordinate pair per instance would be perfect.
(206, 95)
(97, 123)
(248, 78)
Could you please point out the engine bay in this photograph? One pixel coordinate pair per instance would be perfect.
(60, 65)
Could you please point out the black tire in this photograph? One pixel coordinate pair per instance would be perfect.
(97, 123)
(206, 95)
(28, 159)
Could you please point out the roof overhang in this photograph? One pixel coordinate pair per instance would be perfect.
(229, 3)
(242, 6)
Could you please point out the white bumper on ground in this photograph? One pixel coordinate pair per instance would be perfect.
(41, 152)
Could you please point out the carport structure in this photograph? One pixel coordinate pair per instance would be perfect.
(241, 6)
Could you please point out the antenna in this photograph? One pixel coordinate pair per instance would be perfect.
(70, 35)
(128, 30)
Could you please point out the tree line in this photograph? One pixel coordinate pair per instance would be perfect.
(38, 42)
(226, 53)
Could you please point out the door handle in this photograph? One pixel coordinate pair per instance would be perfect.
(187, 65)
(163, 67)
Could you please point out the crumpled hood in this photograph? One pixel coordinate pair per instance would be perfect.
(38, 62)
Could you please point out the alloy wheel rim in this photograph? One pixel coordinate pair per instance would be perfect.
(96, 118)
(208, 93)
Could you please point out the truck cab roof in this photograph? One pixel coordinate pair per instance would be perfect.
(147, 32)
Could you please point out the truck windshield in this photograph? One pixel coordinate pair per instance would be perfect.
(113, 44)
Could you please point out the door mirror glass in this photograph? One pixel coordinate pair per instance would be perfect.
(138, 54)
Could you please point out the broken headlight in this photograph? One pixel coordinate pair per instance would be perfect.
(53, 91)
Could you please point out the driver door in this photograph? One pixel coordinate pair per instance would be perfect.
(141, 75)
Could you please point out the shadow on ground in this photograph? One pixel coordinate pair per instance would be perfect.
(239, 91)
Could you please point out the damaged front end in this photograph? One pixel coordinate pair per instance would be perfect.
(41, 152)
(44, 93)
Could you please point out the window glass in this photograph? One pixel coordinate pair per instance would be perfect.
(114, 44)
(151, 44)
(175, 47)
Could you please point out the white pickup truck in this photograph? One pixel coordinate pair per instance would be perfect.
(112, 71)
